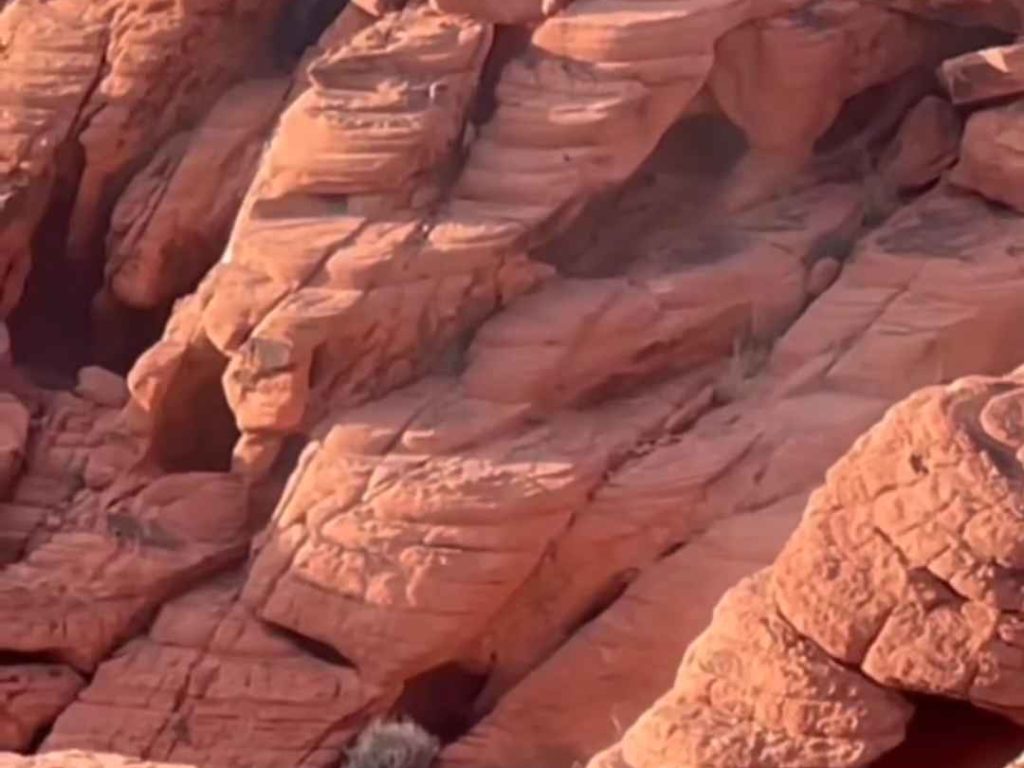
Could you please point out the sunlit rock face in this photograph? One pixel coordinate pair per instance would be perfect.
(603, 383)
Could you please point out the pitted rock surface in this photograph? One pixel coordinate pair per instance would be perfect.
(500, 341)
(903, 567)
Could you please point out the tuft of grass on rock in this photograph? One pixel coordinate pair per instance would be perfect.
(393, 744)
(749, 358)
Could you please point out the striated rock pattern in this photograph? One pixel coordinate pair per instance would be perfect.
(209, 685)
(979, 76)
(165, 66)
(399, 505)
(343, 208)
(504, 338)
(91, 91)
(54, 53)
(528, 170)
(902, 567)
(31, 696)
(172, 222)
(871, 338)
(92, 583)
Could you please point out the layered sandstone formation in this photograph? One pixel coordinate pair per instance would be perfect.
(900, 576)
(506, 338)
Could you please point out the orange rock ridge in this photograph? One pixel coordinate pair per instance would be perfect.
(512, 357)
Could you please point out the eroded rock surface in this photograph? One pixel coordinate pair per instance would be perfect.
(398, 514)
(76, 759)
(91, 90)
(522, 332)
(31, 696)
(173, 220)
(210, 685)
(902, 567)
(886, 327)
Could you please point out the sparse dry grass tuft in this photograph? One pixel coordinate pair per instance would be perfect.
(395, 744)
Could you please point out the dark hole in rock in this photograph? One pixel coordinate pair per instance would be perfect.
(441, 700)
(300, 25)
(51, 335)
(194, 429)
(670, 191)
(23, 658)
(955, 735)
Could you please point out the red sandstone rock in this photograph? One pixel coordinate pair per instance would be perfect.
(102, 387)
(586, 694)
(352, 214)
(927, 144)
(14, 419)
(503, 11)
(1000, 14)
(55, 52)
(473, 521)
(112, 80)
(984, 75)
(209, 685)
(861, 346)
(903, 566)
(77, 759)
(991, 155)
(812, 60)
(166, 65)
(91, 584)
(31, 696)
(752, 691)
(439, 497)
(57, 454)
(379, 7)
(517, 178)
(172, 222)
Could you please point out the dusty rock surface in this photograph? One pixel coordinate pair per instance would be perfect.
(901, 568)
(496, 355)
(77, 759)
(210, 685)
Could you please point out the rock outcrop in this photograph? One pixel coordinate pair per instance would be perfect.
(91, 89)
(900, 576)
(209, 685)
(502, 340)
(31, 697)
(865, 343)
(172, 222)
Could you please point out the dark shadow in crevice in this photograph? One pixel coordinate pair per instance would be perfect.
(10, 658)
(955, 735)
(673, 189)
(123, 333)
(50, 328)
(612, 590)
(194, 429)
(510, 42)
(266, 491)
(299, 26)
(315, 648)
(441, 700)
